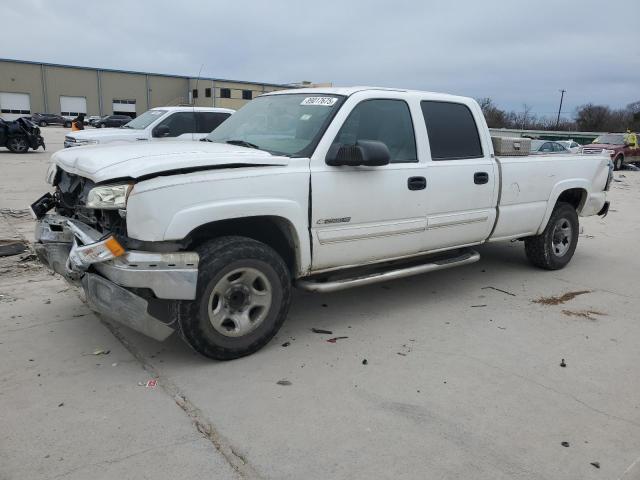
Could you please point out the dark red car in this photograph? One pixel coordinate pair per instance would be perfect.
(623, 145)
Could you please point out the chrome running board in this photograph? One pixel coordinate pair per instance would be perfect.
(328, 285)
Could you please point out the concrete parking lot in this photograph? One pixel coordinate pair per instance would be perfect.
(455, 374)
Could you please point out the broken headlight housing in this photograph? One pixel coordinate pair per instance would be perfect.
(109, 197)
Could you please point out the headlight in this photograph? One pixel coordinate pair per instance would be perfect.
(108, 197)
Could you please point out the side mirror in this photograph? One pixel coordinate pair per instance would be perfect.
(369, 153)
(161, 131)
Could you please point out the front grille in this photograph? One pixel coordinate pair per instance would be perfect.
(592, 151)
(71, 200)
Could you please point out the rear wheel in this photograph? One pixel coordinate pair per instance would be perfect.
(555, 246)
(242, 298)
(617, 163)
(67, 124)
(43, 123)
(18, 145)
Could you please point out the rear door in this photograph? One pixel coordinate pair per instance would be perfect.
(462, 177)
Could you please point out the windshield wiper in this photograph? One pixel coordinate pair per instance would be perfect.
(243, 143)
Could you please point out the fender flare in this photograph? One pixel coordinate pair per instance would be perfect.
(557, 190)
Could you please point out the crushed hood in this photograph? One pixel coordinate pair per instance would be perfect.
(134, 160)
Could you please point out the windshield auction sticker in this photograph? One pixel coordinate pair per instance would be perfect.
(322, 101)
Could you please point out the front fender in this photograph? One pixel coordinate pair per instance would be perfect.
(560, 187)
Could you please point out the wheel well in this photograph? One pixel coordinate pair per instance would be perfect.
(574, 197)
(276, 232)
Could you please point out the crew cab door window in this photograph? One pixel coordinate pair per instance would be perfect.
(453, 133)
(387, 121)
(207, 122)
(547, 147)
(179, 123)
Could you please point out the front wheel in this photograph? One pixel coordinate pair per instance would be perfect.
(554, 247)
(18, 145)
(67, 124)
(242, 298)
(43, 123)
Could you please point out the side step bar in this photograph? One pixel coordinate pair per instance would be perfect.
(311, 285)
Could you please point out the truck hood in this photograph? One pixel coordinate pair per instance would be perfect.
(606, 146)
(104, 135)
(136, 160)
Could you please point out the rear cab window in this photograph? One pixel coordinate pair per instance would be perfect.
(452, 131)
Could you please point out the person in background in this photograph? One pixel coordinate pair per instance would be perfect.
(631, 139)
(78, 123)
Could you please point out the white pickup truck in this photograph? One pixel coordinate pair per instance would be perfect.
(163, 123)
(322, 189)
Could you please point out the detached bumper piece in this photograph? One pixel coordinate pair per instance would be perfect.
(106, 272)
(122, 306)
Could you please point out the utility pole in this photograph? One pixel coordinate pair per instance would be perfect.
(560, 108)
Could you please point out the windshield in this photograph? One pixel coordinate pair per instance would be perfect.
(610, 139)
(285, 124)
(144, 120)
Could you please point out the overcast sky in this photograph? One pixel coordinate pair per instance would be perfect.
(514, 52)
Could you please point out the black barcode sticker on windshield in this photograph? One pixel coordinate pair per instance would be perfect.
(322, 101)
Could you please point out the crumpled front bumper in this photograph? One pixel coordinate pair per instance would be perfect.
(108, 283)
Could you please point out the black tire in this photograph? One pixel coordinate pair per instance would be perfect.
(18, 144)
(67, 124)
(219, 258)
(617, 163)
(542, 251)
(43, 123)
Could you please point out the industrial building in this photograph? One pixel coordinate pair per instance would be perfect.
(35, 87)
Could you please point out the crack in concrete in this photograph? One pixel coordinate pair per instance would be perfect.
(237, 461)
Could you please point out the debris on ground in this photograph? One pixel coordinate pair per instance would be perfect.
(149, 383)
(335, 339)
(563, 364)
(364, 361)
(595, 464)
(477, 306)
(325, 305)
(284, 382)
(286, 344)
(320, 330)
(565, 444)
(583, 313)
(499, 290)
(559, 300)
(502, 328)
(61, 404)
(101, 352)
(402, 354)
(11, 247)
(628, 166)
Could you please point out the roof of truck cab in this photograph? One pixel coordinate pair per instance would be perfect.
(348, 91)
(189, 108)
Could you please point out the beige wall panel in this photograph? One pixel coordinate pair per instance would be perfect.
(167, 91)
(73, 82)
(23, 78)
(127, 86)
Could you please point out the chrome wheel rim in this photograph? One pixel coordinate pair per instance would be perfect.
(561, 237)
(239, 302)
(20, 144)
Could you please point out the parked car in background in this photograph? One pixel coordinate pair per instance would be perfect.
(546, 147)
(571, 145)
(46, 119)
(20, 135)
(112, 121)
(91, 120)
(623, 148)
(177, 123)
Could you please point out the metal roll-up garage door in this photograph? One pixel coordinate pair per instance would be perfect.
(14, 105)
(124, 107)
(70, 107)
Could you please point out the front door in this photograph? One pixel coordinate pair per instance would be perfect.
(367, 214)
